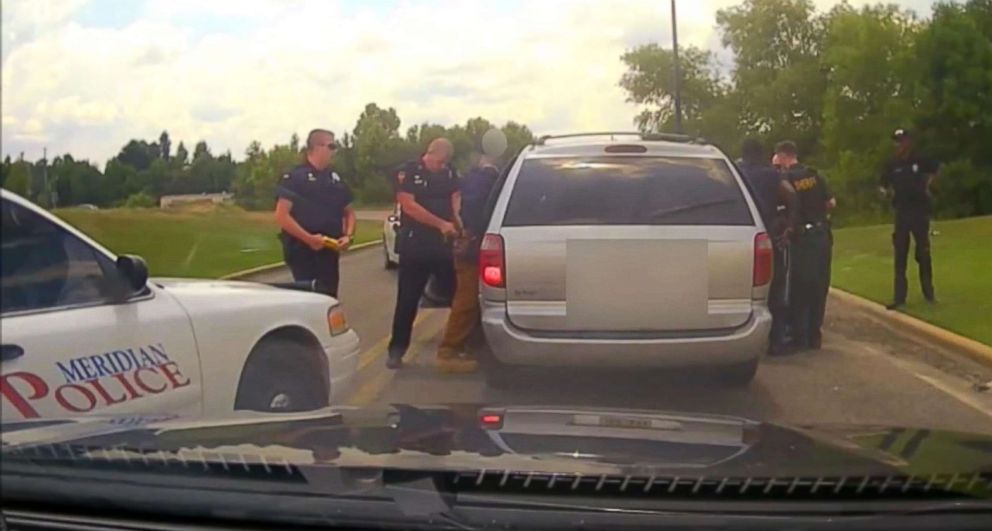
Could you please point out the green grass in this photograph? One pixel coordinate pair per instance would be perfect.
(201, 242)
(962, 258)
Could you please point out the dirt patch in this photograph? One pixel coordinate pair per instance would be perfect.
(858, 325)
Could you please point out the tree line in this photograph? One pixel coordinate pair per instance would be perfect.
(143, 171)
(839, 83)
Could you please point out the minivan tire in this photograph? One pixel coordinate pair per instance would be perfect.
(739, 374)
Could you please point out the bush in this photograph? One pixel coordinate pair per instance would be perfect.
(140, 200)
(962, 190)
(375, 191)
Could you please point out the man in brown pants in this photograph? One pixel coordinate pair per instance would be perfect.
(465, 313)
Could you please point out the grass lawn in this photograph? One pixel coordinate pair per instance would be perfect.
(962, 258)
(192, 242)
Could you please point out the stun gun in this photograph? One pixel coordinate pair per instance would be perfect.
(331, 243)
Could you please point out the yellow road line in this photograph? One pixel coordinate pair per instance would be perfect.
(369, 356)
(370, 390)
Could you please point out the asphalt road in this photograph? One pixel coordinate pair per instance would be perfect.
(865, 374)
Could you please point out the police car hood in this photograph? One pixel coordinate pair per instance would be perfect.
(494, 447)
(205, 290)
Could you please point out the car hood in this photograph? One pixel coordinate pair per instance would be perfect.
(206, 284)
(530, 440)
(207, 291)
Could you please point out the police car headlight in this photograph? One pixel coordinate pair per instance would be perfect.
(337, 323)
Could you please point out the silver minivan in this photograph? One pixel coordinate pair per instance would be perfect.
(625, 250)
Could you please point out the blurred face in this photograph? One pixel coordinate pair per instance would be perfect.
(438, 154)
(784, 160)
(904, 144)
(321, 154)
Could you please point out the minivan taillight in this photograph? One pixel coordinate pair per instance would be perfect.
(492, 269)
(762, 259)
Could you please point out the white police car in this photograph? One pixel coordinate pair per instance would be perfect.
(390, 226)
(85, 332)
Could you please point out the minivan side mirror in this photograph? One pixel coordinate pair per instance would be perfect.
(133, 272)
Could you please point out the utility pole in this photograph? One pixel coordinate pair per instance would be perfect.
(677, 72)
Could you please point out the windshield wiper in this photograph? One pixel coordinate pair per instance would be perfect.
(660, 214)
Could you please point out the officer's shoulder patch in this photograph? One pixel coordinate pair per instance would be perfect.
(335, 177)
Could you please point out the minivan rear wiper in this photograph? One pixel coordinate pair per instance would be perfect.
(660, 214)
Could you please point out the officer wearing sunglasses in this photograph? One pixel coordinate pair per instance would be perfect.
(313, 205)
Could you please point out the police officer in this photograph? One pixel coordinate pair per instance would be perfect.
(428, 197)
(313, 203)
(909, 176)
(772, 192)
(811, 248)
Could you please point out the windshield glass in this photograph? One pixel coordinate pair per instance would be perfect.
(482, 264)
(626, 191)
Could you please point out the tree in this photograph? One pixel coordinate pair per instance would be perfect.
(650, 81)
(201, 150)
(113, 185)
(165, 144)
(517, 137)
(955, 118)
(870, 57)
(182, 156)
(777, 75)
(18, 178)
(136, 154)
(378, 151)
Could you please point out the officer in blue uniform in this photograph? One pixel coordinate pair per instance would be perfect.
(811, 248)
(313, 203)
(909, 176)
(428, 197)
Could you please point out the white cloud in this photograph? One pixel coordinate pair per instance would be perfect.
(262, 69)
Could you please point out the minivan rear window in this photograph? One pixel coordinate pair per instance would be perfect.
(626, 191)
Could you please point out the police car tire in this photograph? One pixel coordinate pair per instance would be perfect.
(266, 377)
(738, 375)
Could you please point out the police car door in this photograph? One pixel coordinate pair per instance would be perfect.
(66, 349)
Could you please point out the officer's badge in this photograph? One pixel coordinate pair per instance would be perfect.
(418, 180)
(401, 176)
(916, 168)
(285, 176)
(310, 177)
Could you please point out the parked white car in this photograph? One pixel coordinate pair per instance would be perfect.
(84, 331)
(390, 226)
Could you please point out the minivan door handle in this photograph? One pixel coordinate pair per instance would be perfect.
(10, 352)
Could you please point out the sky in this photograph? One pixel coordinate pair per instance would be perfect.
(85, 76)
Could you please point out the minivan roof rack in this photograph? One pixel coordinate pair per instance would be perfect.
(667, 137)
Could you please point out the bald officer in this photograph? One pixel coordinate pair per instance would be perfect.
(428, 197)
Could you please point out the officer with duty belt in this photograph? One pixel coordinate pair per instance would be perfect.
(429, 199)
(909, 176)
(811, 249)
(772, 191)
(313, 209)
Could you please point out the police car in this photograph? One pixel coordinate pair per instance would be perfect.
(87, 332)
(390, 226)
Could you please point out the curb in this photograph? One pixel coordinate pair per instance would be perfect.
(973, 349)
(239, 275)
